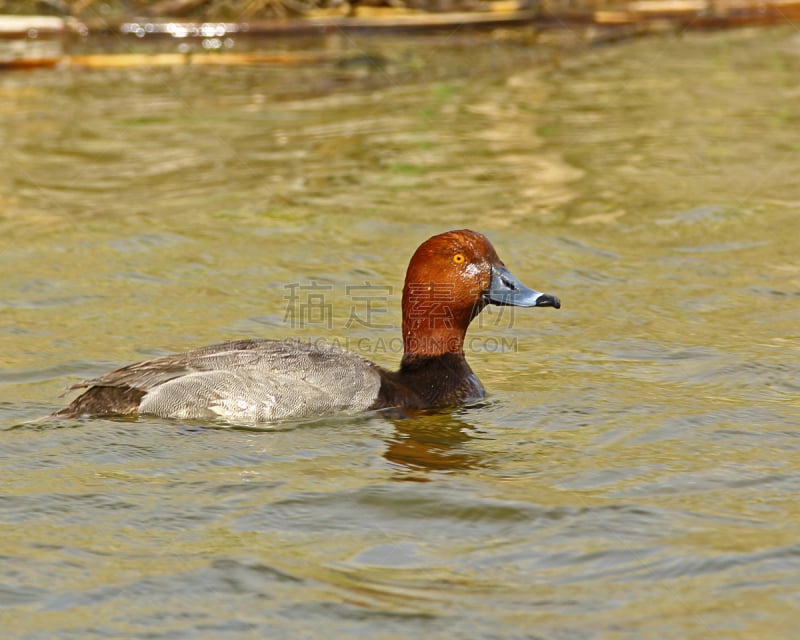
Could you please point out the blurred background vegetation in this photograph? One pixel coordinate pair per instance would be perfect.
(234, 9)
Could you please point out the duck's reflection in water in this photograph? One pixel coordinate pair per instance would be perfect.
(432, 441)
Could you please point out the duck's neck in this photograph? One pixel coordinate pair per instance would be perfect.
(434, 366)
(433, 325)
(423, 341)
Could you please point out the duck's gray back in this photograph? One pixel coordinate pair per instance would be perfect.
(252, 380)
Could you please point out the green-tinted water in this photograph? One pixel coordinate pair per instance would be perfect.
(635, 473)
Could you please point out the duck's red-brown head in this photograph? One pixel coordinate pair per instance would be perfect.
(450, 279)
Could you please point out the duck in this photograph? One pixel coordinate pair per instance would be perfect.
(450, 279)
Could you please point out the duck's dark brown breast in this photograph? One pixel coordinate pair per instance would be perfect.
(427, 382)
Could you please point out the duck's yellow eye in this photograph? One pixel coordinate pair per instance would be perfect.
(459, 258)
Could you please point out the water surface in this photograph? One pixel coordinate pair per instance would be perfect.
(635, 471)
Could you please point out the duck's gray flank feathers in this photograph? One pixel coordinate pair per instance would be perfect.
(252, 380)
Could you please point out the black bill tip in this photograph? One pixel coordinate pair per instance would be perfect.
(546, 300)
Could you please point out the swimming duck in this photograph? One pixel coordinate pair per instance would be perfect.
(450, 279)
